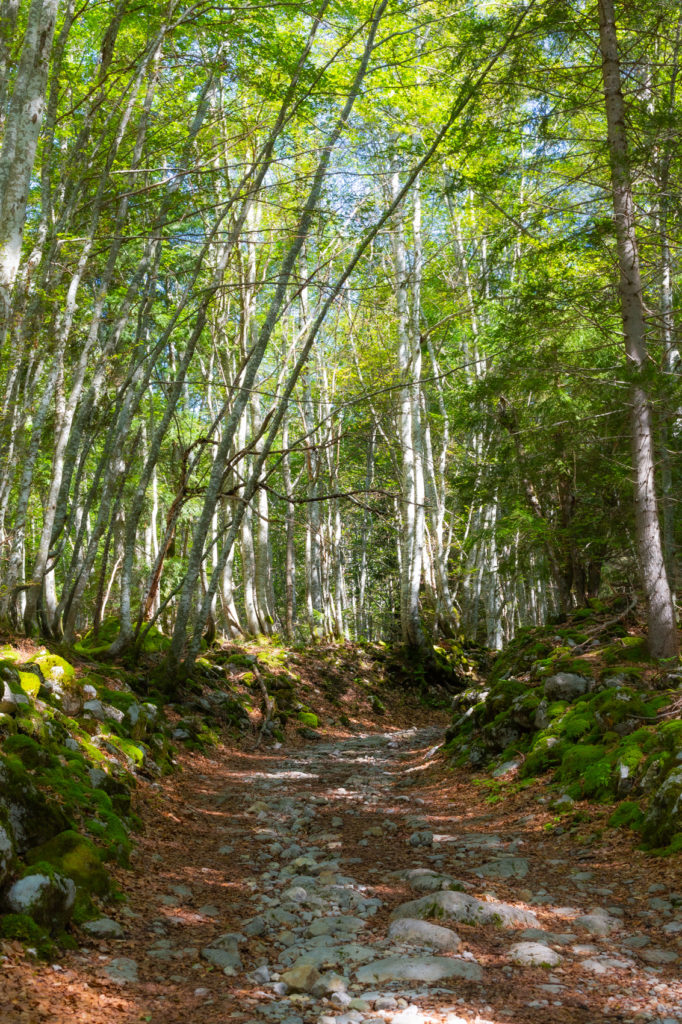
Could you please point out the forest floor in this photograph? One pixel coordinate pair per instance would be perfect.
(256, 859)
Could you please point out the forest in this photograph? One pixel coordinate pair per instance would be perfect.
(341, 448)
(351, 320)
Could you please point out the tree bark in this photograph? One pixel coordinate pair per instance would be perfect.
(662, 632)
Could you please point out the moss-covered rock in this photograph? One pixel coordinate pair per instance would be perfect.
(74, 857)
(34, 818)
(308, 718)
(30, 683)
(54, 669)
(45, 896)
(663, 820)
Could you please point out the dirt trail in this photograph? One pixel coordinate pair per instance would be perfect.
(254, 863)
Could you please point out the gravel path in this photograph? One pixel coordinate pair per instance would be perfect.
(331, 885)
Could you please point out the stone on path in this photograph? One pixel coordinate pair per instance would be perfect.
(598, 922)
(458, 906)
(104, 928)
(504, 867)
(343, 924)
(428, 880)
(302, 978)
(534, 954)
(658, 956)
(423, 933)
(418, 968)
(122, 970)
(224, 952)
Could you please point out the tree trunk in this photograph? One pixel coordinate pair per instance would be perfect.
(659, 604)
(20, 142)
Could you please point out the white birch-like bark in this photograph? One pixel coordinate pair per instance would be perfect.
(662, 630)
(20, 142)
(409, 431)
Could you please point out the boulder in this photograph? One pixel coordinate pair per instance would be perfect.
(115, 788)
(75, 857)
(11, 700)
(566, 686)
(48, 899)
(53, 668)
(31, 817)
(504, 867)
(122, 970)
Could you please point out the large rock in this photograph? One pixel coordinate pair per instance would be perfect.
(423, 933)
(53, 668)
(31, 817)
(58, 682)
(598, 922)
(76, 858)
(663, 820)
(458, 906)
(47, 899)
(339, 924)
(566, 686)
(417, 968)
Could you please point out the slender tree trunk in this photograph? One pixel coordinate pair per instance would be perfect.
(20, 142)
(662, 632)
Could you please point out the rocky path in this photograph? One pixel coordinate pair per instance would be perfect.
(342, 883)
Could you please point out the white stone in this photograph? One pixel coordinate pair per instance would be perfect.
(534, 954)
(418, 968)
(423, 933)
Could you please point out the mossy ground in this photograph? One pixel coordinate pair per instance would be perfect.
(617, 742)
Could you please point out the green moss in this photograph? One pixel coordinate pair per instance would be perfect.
(22, 928)
(576, 725)
(31, 753)
(308, 718)
(10, 655)
(627, 815)
(30, 683)
(119, 699)
(627, 648)
(53, 667)
(544, 755)
(95, 644)
(75, 857)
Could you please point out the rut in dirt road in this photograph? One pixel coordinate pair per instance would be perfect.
(359, 901)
